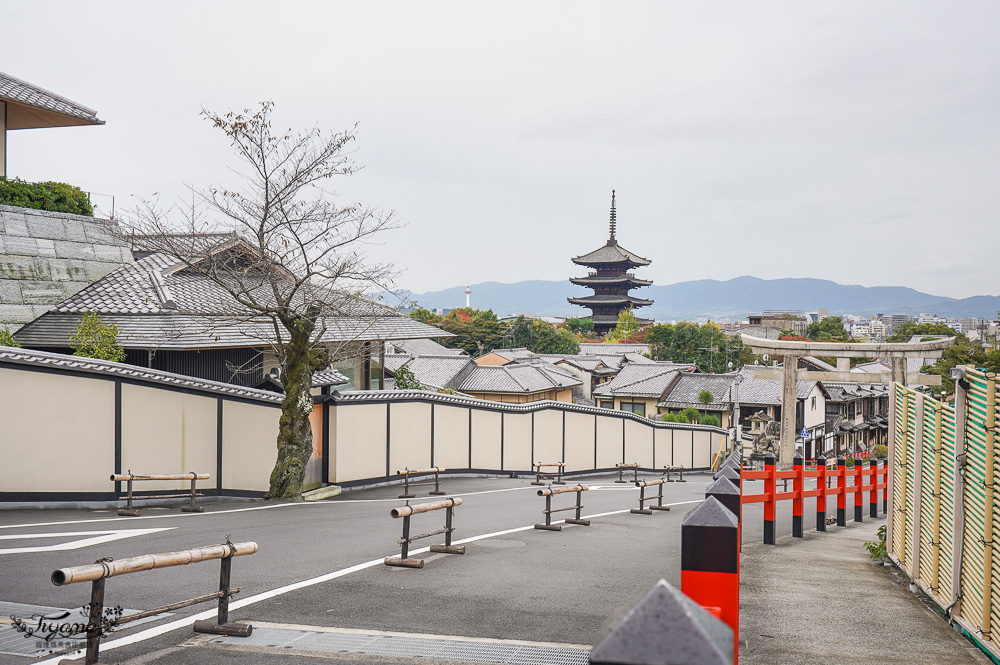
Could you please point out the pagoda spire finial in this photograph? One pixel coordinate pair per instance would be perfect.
(612, 214)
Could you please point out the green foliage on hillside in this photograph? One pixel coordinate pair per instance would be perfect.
(51, 196)
(907, 329)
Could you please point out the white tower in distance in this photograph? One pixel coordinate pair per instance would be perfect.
(468, 292)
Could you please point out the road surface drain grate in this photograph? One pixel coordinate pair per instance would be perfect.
(375, 644)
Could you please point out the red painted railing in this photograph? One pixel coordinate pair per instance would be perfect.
(866, 478)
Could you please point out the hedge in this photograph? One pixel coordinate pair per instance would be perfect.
(51, 196)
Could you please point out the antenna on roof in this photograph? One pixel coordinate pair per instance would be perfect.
(612, 214)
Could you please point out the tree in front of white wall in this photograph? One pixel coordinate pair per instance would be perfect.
(293, 263)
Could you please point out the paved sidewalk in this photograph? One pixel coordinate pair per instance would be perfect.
(820, 599)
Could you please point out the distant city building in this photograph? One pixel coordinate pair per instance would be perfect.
(610, 280)
(782, 319)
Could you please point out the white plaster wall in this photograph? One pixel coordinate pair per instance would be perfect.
(359, 444)
(485, 439)
(517, 441)
(548, 436)
(451, 437)
(410, 436)
(579, 441)
(249, 445)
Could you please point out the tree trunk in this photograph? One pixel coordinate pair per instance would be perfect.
(294, 430)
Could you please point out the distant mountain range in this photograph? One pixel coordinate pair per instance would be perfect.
(732, 299)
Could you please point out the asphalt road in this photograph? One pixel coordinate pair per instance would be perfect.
(319, 564)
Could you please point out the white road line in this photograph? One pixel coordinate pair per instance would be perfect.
(95, 539)
(186, 622)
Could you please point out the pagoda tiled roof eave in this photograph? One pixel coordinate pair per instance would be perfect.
(603, 281)
(610, 254)
(588, 301)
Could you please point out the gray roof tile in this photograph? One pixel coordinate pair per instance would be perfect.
(636, 380)
(22, 92)
(516, 378)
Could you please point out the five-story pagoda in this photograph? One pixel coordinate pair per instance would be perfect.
(611, 281)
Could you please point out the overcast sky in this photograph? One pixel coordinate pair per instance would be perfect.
(852, 141)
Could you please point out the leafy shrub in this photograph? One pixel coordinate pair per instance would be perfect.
(405, 380)
(7, 339)
(95, 339)
(876, 549)
(710, 420)
(51, 196)
(882, 452)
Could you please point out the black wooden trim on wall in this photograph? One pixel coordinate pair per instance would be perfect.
(218, 444)
(532, 439)
(432, 434)
(325, 474)
(502, 419)
(388, 436)
(118, 433)
(470, 438)
(563, 460)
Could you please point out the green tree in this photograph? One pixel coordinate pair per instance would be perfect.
(7, 339)
(704, 345)
(405, 380)
(689, 415)
(706, 397)
(425, 316)
(710, 420)
(830, 329)
(626, 328)
(907, 329)
(95, 339)
(581, 325)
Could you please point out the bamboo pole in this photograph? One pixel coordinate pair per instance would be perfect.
(136, 564)
(936, 528)
(410, 472)
(121, 477)
(548, 491)
(988, 480)
(406, 511)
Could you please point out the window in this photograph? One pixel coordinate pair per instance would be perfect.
(638, 408)
(606, 404)
(813, 407)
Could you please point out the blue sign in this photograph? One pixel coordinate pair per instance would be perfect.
(805, 433)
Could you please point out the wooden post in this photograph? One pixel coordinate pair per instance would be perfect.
(936, 529)
(991, 400)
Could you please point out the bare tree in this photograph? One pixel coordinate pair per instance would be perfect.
(283, 261)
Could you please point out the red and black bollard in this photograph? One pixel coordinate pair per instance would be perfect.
(710, 560)
(797, 487)
(770, 487)
(873, 493)
(841, 491)
(885, 488)
(821, 494)
(859, 481)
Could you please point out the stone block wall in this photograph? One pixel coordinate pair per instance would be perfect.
(45, 257)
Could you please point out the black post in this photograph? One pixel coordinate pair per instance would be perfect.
(859, 497)
(437, 483)
(447, 527)
(405, 551)
(95, 620)
(224, 572)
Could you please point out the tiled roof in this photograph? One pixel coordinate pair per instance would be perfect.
(108, 368)
(394, 361)
(22, 92)
(587, 301)
(612, 252)
(181, 332)
(516, 378)
(155, 305)
(597, 348)
(511, 355)
(819, 364)
(685, 392)
(636, 380)
(437, 371)
(767, 391)
(424, 347)
(843, 391)
(588, 363)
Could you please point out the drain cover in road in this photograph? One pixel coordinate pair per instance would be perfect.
(401, 645)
